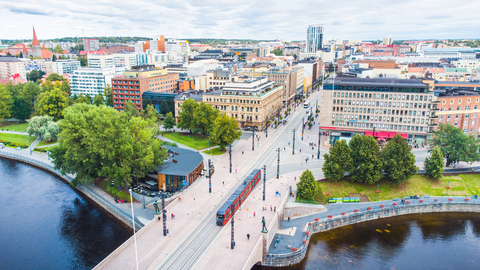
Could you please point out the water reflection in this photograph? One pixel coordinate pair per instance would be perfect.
(427, 241)
(47, 225)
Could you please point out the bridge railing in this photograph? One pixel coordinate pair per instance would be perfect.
(374, 210)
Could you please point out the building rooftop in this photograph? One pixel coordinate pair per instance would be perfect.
(377, 82)
(458, 93)
(9, 59)
(180, 161)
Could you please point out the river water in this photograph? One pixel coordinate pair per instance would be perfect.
(45, 224)
(427, 241)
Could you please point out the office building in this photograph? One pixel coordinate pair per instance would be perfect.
(314, 38)
(378, 107)
(127, 60)
(138, 80)
(65, 66)
(92, 81)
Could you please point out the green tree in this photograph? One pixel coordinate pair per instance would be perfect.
(186, 117)
(204, 118)
(145, 103)
(82, 99)
(337, 161)
(52, 103)
(130, 110)
(367, 163)
(164, 107)
(98, 100)
(44, 127)
(65, 87)
(434, 164)
(225, 131)
(90, 99)
(330, 67)
(309, 189)
(54, 57)
(6, 102)
(30, 93)
(55, 77)
(58, 49)
(21, 110)
(100, 142)
(455, 145)
(277, 52)
(83, 61)
(169, 121)
(108, 96)
(35, 75)
(151, 113)
(399, 161)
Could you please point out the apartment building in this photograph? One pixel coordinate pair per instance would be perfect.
(460, 108)
(90, 44)
(127, 60)
(92, 81)
(65, 66)
(290, 77)
(378, 107)
(253, 102)
(138, 80)
(9, 66)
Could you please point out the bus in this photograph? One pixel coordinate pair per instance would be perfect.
(306, 104)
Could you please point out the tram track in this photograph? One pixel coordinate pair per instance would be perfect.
(193, 247)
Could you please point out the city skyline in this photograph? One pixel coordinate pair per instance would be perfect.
(237, 20)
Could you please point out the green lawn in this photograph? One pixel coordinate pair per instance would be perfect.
(196, 141)
(43, 143)
(17, 138)
(461, 185)
(215, 151)
(13, 126)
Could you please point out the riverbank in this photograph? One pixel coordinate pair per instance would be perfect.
(292, 247)
(104, 203)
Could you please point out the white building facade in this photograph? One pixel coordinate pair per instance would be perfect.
(92, 81)
(65, 66)
(314, 38)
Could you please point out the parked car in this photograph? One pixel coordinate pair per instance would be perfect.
(18, 148)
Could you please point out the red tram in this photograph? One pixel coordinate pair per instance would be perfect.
(238, 197)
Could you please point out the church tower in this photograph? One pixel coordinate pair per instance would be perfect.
(36, 48)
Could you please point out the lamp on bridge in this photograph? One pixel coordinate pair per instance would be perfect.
(377, 191)
(447, 187)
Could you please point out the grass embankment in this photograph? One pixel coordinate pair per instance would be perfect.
(43, 143)
(196, 141)
(17, 139)
(13, 126)
(215, 151)
(113, 191)
(461, 185)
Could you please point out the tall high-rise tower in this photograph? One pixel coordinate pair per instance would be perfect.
(314, 38)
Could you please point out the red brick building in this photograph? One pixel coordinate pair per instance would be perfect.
(141, 79)
(460, 108)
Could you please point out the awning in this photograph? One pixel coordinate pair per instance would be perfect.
(381, 140)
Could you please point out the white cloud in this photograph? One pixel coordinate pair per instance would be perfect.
(266, 19)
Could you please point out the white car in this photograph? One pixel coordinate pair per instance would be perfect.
(18, 148)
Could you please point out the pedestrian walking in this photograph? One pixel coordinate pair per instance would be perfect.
(288, 219)
(242, 152)
(271, 209)
(223, 182)
(248, 236)
(275, 209)
(254, 213)
(235, 170)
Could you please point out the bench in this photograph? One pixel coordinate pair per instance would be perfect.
(395, 199)
(426, 196)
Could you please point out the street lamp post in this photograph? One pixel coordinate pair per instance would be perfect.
(319, 137)
(293, 150)
(447, 187)
(133, 225)
(253, 138)
(377, 191)
(188, 140)
(232, 243)
(230, 153)
(264, 179)
(278, 165)
(209, 176)
(164, 214)
(328, 193)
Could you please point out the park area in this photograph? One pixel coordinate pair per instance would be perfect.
(16, 139)
(460, 185)
(13, 126)
(195, 141)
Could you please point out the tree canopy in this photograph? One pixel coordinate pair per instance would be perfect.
(108, 96)
(225, 131)
(98, 100)
(169, 121)
(367, 164)
(455, 145)
(399, 161)
(35, 75)
(130, 110)
(204, 117)
(52, 103)
(6, 102)
(186, 117)
(434, 164)
(44, 127)
(309, 189)
(100, 142)
(55, 77)
(337, 161)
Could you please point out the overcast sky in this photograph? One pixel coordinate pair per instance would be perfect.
(230, 19)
